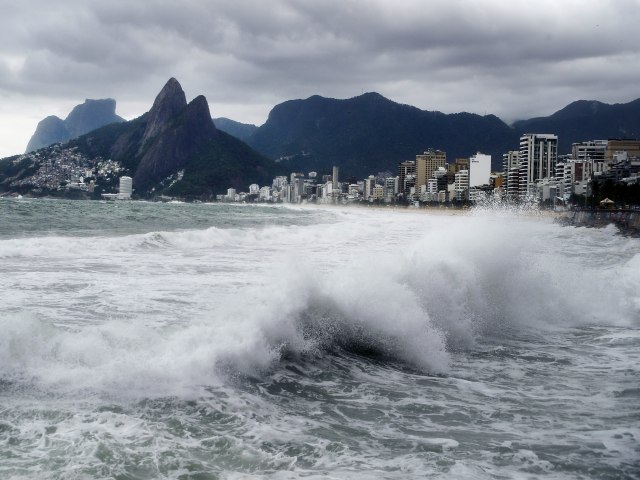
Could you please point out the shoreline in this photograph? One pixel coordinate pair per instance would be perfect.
(627, 221)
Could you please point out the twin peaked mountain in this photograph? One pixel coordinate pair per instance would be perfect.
(176, 149)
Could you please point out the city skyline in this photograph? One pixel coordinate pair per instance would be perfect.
(515, 61)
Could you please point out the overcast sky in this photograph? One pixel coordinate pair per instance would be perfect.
(514, 58)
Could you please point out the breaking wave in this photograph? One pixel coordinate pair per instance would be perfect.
(167, 312)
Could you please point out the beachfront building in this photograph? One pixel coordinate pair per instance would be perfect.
(427, 164)
(564, 178)
(265, 194)
(538, 156)
(391, 185)
(592, 154)
(479, 170)
(462, 185)
(378, 192)
(511, 172)
(126, 188)
(369, 183)
(406, 177)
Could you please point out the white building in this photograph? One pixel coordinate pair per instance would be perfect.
(564, 179)
(280, 182)
(479, 170)
(285, 193)
(369, 183)
(431, 194)
(265, 194)
(511, 172)
(462, 185)
(593, 153)
(335, 180)
(391, 187)
(538, 156)
(254, 189)
(126, 188)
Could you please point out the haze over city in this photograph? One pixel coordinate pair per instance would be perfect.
(513, 60)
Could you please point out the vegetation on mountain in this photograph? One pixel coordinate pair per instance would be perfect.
(370, 133)
(222, 164)
(175, 149)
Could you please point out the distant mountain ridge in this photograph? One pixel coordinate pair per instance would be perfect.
(371, 133)
(587, 120)
(362, 135)
(239, 130)
(82, 119)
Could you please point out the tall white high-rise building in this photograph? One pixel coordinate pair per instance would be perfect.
(511, 172)
(564, 180)
(538, 156)
(462, 185)
(479, 169)
(126, 188)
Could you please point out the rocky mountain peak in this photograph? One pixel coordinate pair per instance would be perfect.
(82, 119)
(174, 133)
(199, 110)
(90, 115)
(49, 130)
(168, 104)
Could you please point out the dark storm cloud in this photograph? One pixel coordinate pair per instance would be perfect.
(454, 55)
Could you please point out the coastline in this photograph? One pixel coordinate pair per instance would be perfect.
(627, 221)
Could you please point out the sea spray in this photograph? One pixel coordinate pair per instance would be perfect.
(309, 342)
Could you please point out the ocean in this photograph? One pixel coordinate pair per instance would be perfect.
(209, 341)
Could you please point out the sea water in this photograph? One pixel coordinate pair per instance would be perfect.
(202, 341)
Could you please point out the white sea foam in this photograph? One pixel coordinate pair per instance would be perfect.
(161, 312)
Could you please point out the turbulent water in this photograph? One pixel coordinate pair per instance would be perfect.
(195, 341)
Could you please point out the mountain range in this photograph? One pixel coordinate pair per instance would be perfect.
(174, 149)
(362, 135)
(587, 120)
(369, 133)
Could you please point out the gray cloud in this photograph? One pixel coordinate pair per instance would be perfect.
(516, 59)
